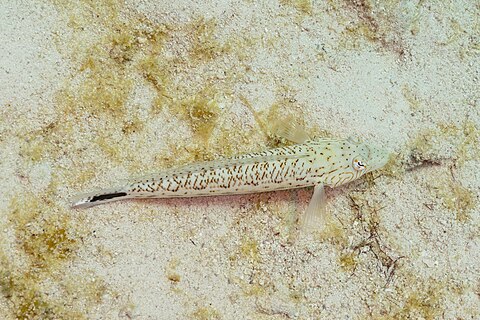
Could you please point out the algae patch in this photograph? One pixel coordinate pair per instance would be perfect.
(171, 271)
(302, 6)
(348, 261)
(133, 53)
(205, 46)
(46, 235)
(445, 144)
(412, 99)
(26, 297)
(424, 300)
(34, 278)
(446, 141)
(335, 234)
(201, 111)
(456, 198)
(376, 22)
(50, 141)
(206, 313)
(249, 250)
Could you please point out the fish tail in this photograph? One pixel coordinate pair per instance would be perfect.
(91, 199)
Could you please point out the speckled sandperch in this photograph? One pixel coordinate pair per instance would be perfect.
(311, 162)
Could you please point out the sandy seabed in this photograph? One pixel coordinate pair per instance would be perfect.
(94, 93)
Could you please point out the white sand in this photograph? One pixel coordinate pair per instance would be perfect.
(413, 67)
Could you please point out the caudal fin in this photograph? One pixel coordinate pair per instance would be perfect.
(91, 199)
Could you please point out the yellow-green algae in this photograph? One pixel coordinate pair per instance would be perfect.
(465, 137)
(206, 313)
(455, 197)
(249, 250)
(411, 296)
(459, 141)
(171, 271)
(446, 144)
(334, 233)
(416, 297)
(132, 51)
(377, 22)
(472, 49)
(413, 101)
(127, 52)
(395, 166)
(303, 6)
(46, 142)
(201, 111)
(205, 46)
(348, 261)
(33, 276)
(247, 257)
(455, 35)
(366, 208)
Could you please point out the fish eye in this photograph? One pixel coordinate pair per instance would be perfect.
(359, 165)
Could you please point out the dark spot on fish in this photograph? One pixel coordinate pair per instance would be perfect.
(108, 196)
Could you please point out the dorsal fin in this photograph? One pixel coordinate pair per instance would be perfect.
(290, 130)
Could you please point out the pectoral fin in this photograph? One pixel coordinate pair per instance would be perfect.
(354, 140)
(291, 130)
(315, 216)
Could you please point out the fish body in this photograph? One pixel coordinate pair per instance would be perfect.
(318, 162)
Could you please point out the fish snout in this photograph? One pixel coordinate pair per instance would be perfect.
(378, 159)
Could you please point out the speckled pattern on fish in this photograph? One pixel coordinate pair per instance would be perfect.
(330, 162)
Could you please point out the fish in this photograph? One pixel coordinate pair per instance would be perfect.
(309, 162)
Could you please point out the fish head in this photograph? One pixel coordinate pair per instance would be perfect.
(346, 160)
(367, 157)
